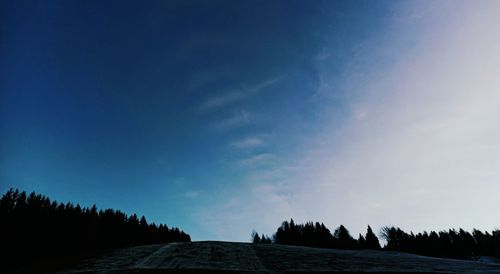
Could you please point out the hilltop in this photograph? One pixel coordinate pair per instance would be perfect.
(231, 257)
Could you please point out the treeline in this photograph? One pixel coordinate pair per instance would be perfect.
(33, 226)
(264, 239)
(318, 235)
(446, 244)
(450, 244)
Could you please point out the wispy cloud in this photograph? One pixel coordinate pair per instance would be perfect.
(250, 142)
(238, 119)
(223, 100)
(236, 95)
(258, 159)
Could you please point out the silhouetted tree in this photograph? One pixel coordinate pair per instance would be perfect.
(343, 239)
(33, 227)
(361, 242)
(371, 239)
(451, 244)
(394, 237)
(264, 239)
(310, 234)
(255, 237)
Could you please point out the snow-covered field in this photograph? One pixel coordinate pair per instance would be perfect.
(231, 257)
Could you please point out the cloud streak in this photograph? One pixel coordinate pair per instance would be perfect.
(250, 142)
(236, 120)
(258, 159)
(236, 95)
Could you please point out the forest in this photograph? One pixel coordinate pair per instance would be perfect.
(34, 228)
(445, 244)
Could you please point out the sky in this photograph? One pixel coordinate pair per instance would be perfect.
(223, 117)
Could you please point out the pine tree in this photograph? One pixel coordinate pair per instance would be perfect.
(371, 239)
(361, 242)
(255, 237)
(344, 239)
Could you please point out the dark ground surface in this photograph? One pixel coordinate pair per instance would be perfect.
(229, 257)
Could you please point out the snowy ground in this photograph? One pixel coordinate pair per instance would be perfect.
(269, 258)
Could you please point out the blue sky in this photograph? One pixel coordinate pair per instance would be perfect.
(225, 116)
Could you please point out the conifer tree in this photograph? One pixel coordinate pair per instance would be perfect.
(371, 239)
(344, 238)
(255, 237)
